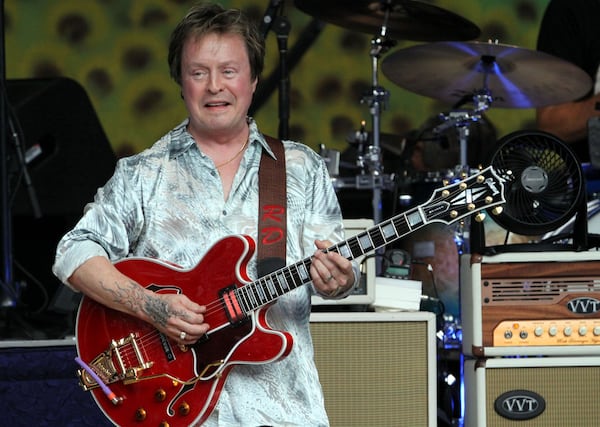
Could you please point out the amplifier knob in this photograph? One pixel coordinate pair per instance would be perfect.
(552, 331)
(523, 335)
(597, 330)
(568, 331)
(582, 331)
(538, 331)
(508, 334)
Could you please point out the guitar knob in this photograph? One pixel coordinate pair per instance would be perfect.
(164, 424)
(184, 409)
(160, 395)
(140, 414)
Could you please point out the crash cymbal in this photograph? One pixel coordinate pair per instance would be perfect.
(408, 19)
(515, 77)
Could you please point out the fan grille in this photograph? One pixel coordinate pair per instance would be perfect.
(543, 182)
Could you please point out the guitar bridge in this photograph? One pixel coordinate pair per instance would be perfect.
(110, 365)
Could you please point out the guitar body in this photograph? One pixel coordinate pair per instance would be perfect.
(161, 381)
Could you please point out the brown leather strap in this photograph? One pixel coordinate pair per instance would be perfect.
(272, 215)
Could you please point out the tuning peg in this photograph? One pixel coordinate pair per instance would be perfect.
(497, 210)
(480, 217)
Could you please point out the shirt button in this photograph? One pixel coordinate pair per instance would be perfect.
(224, 213)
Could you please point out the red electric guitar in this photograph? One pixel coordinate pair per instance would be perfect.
(138, 376)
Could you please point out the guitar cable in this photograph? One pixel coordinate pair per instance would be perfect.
(107, 391)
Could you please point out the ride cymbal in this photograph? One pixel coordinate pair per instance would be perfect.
(408, 19)
(514, 77)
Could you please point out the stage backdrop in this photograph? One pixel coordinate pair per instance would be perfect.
(117, 50)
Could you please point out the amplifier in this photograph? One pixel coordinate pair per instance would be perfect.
(531, 303)
(532, 392)
(377, 369)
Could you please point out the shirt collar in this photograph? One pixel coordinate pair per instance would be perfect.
(182, 140)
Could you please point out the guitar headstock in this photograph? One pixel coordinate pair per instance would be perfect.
(448, 204)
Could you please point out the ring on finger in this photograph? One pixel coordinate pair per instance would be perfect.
(182, 335)
(329, 278)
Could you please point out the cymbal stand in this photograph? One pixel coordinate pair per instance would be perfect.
(377, 100)
(461, 120)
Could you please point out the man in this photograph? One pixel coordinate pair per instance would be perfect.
(197, 185)
(569, 30)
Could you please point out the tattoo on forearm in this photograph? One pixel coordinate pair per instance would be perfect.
(132, 296)
(157, 309)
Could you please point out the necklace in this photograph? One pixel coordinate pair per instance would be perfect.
(234, 157)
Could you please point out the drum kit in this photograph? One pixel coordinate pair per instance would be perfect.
(450, 67)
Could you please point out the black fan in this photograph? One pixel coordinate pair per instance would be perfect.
(543, 181)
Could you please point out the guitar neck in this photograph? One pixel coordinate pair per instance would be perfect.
(446, 205)
(271, 286)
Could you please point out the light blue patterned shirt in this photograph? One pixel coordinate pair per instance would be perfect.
(167, 202)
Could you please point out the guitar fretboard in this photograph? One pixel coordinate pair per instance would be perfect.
(447, 205)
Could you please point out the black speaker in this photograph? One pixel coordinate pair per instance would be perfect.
(69, 153)
(68, 156)
(377, 369)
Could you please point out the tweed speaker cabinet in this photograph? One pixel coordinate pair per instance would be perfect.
(532, 392)
(377, 369)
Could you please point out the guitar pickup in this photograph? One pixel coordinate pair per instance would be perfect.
(233, 310)
(110, 366)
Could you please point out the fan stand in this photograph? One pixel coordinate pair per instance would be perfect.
(582, 240)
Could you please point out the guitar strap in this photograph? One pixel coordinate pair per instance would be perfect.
(272, 215)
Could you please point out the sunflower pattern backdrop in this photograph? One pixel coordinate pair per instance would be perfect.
(116, 49)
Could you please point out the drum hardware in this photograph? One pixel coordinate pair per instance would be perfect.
(461, 120)
(364, 182)
(331, 158)
(399, 19)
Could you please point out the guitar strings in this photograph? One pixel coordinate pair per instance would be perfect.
(215, 306)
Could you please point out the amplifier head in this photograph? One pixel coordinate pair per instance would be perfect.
(538, 303)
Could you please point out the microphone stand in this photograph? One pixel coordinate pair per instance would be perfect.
(9, 289)
(273, 16)
(9, 292)
(282, 29)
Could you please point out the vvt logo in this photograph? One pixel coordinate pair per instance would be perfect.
(584, 305)
(519, 405)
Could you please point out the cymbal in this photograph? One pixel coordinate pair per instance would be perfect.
(408, 19)
(515, 77)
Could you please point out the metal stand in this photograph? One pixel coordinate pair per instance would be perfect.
(8, 292)
(9, 289)
(376, 100)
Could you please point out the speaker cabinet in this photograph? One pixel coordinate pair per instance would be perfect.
(377, 369)
(532, 392)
